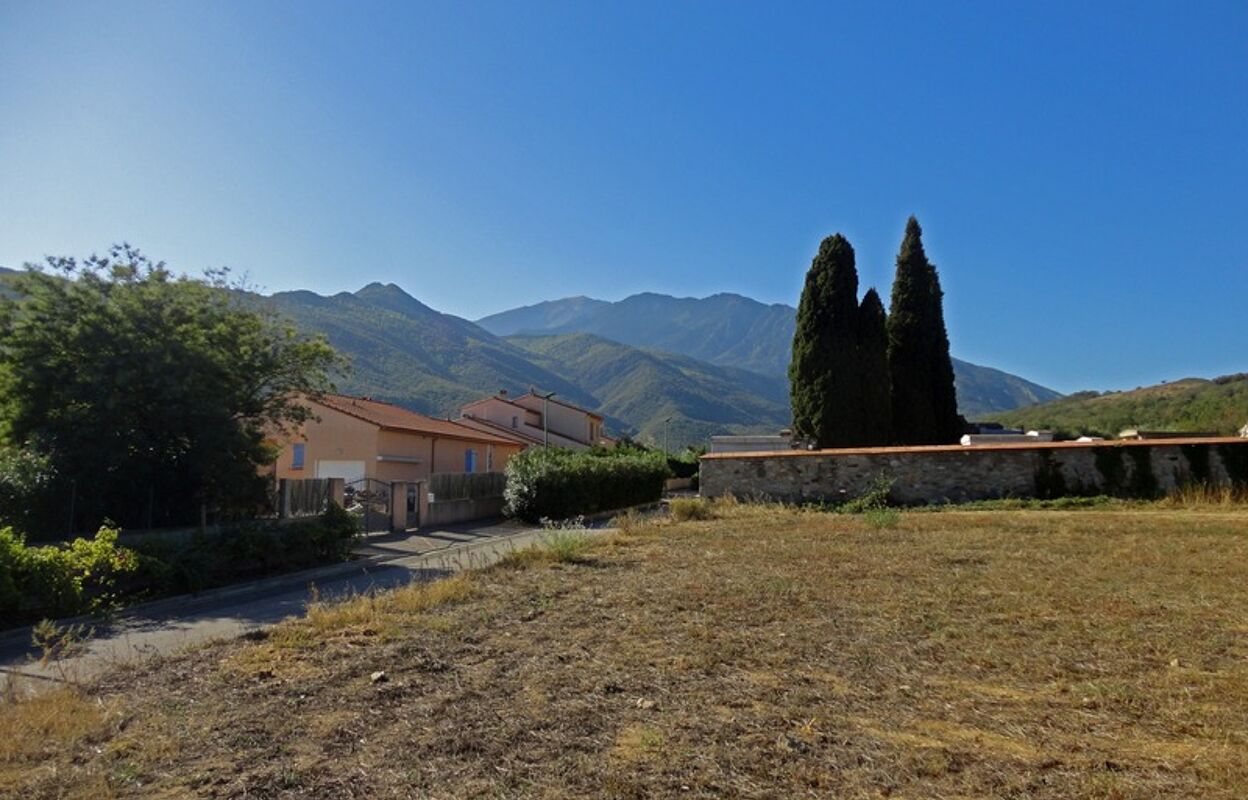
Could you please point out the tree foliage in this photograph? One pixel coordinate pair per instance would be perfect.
(876, 391)
(825, 387)
(924, 400)
(149, 393)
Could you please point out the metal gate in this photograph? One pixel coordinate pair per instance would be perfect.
(413, 503)
(369, 499)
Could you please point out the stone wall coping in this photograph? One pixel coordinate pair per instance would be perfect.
(977, 448)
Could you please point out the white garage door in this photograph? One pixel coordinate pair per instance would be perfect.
(348, 470)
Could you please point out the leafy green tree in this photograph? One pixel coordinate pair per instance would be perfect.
(823, 375)
(149, 393)
(924, 400)
(876, 394)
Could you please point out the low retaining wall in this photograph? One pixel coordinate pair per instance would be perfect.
(956, 473)
(445, 512)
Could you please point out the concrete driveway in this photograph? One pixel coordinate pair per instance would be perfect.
(169, 626)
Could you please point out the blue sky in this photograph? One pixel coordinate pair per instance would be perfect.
(1080, 170)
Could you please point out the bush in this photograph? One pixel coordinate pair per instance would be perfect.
(87, 575)
(97, 574)
(556, 483)
(248, 551)
(690, 508)
(878, 496)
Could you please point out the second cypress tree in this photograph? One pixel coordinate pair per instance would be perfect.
(924, 400)
(876, 390)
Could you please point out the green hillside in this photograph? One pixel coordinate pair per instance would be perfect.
(1193, 404)
(645, 387)
(404, 352)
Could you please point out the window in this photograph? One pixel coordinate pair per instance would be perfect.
(515, 422)
(296, 457)
(470, 461)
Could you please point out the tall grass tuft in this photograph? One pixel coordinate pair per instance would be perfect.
(685, 509)
(1204, 495)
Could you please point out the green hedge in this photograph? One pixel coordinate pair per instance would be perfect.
(97, 574)
(557, 484)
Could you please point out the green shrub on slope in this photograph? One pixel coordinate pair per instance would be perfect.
(556, 483)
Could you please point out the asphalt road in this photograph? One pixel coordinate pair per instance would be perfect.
(173, 625)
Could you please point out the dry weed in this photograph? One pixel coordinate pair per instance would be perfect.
(769, 652)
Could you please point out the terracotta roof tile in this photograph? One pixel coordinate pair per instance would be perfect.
(395, 418)
(498, 430)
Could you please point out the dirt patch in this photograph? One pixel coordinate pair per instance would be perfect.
(765, 653)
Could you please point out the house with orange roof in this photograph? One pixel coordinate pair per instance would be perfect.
(358, 437)
(536, 419)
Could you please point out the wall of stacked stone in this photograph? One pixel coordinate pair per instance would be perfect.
(954, 473)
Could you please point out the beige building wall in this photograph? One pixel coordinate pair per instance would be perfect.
(338, 437)
(527, 421)
(451, 455)
(565, 421)
(501, 412)
(386, 455)
(402, 456)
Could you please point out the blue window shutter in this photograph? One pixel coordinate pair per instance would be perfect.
(296, 461)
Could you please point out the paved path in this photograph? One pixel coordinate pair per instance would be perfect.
(168, 626)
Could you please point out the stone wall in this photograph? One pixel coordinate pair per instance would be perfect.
(956, 473)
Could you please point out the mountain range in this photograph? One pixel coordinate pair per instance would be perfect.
(731, 330)
(653, 365)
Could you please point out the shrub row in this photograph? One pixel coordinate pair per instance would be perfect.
(97, 574)
(557, 484)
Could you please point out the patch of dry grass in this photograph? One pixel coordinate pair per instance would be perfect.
(40, 732)
(377, 610)
(1203, 496)
(684, 509)
(767, 652)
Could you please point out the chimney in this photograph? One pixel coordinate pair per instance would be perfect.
(502, 392)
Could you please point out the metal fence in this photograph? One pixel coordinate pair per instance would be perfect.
(308, 496)
(466, 485)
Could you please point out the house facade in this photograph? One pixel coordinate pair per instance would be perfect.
(357, 437)
(534, 420)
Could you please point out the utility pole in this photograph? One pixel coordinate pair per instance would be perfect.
(545, 426)
(665, 450)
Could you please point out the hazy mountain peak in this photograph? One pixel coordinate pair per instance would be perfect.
(392, 297)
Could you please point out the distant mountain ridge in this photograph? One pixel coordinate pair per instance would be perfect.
(732, 330)
(649, 387)
(404, 352)
(723, 329)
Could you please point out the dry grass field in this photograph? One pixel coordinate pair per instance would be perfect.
(762, 652)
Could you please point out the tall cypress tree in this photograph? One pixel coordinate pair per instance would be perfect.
(876, 391)
(949, 424)
(924, 401)
(824, 387)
